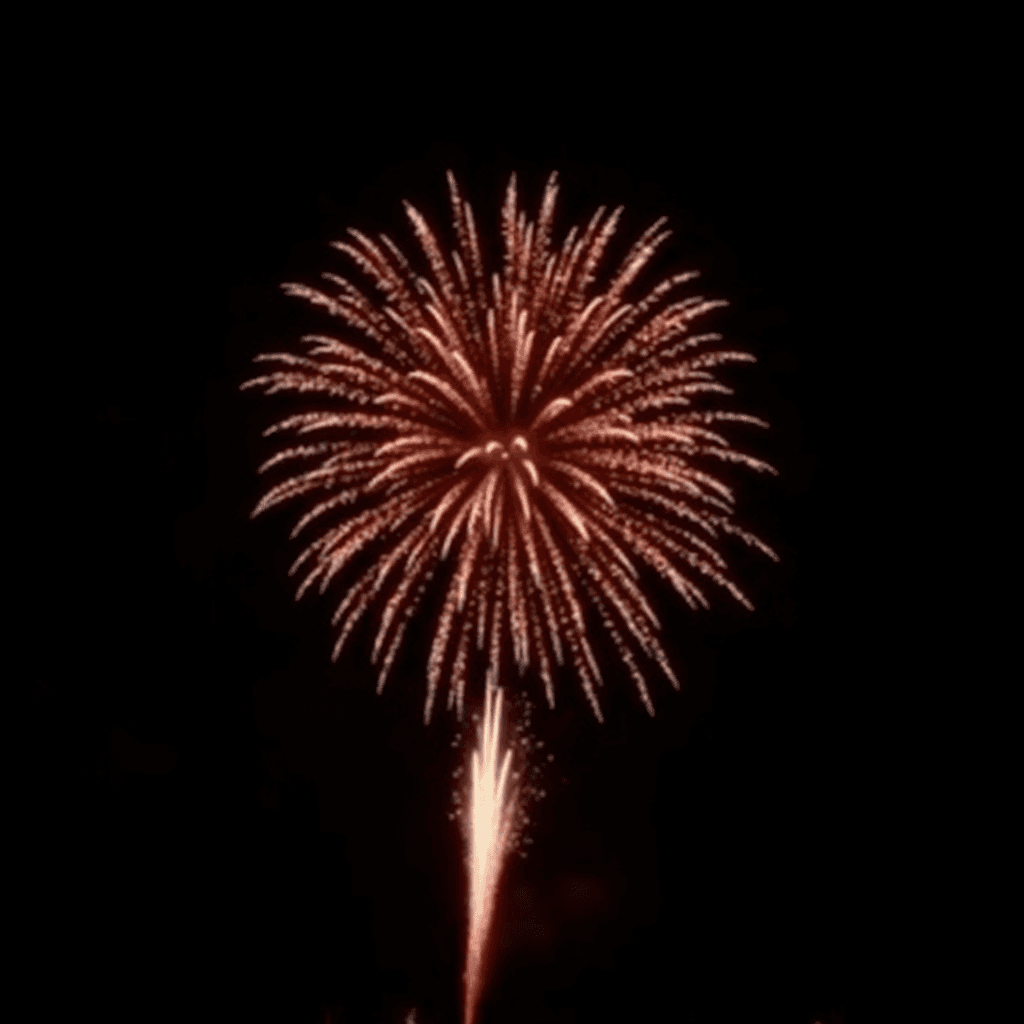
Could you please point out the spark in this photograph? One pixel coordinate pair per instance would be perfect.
(511, 447)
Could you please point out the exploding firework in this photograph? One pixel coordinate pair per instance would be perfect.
(545, 440)
(519, 447)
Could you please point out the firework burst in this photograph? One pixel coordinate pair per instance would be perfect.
(540, 438)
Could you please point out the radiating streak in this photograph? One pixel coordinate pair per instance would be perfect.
(547, 598)
(549, 358)
(448, 391)
(550, 411)
(459, 518)
(447, 501)
(584, 478)
(524, 500)
(417, 559)
(415, 441)
(597, 381)
(492, 484)
(496, 517)
(405, 464)
(566, 507)
(469, 453)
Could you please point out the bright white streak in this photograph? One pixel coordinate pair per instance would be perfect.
(488, 828)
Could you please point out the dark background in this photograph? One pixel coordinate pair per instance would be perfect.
(235, 829)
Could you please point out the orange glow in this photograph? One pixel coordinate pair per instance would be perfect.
(545, 436)
(489, 829)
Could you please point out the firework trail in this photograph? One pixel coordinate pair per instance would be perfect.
(488, 826)
(523, 440)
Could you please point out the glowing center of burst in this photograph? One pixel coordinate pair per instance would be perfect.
(516, 453)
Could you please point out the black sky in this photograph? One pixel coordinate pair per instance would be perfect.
(263, 838)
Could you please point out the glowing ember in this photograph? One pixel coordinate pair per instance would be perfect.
(488, 828)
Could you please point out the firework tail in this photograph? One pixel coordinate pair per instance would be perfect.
(488, 828)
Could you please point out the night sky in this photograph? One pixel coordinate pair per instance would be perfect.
(261, 838)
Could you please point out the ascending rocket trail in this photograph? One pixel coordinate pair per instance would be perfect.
(488, 830)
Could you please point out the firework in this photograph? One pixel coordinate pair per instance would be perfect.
(488, 833)
(515, 445)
